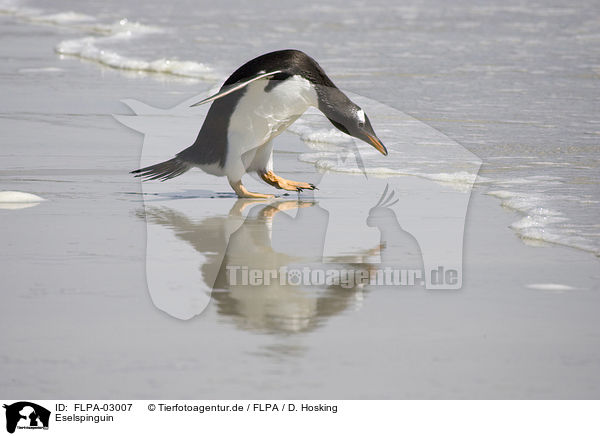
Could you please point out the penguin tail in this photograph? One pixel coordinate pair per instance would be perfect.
(163, 171)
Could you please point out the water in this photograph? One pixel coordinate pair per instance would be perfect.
(516, 83)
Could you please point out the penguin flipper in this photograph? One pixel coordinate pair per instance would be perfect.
(234, 87)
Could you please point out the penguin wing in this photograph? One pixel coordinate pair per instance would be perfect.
(228, 90)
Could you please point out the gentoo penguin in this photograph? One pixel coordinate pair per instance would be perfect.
(256, 103)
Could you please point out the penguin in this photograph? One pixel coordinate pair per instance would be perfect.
(256, 103)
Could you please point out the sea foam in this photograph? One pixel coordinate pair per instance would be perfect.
(89, 48)
(556, 287)
(122, 31)
(19, 197)
(537, 223)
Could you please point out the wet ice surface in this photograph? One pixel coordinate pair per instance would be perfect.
(78, 321)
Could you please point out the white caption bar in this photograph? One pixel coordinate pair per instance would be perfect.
(300, 417)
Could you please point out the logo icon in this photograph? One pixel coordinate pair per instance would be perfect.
(418, 224)
(26, 415)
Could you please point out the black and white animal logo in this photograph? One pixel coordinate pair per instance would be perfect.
(26, 415)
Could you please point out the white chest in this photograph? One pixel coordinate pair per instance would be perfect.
(260, 116)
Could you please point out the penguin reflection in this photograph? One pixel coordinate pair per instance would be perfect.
(264, 240)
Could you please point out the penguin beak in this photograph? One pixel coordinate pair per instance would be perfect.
(375, 142)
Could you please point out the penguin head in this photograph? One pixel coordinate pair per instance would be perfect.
(348, 117)
(358, 125)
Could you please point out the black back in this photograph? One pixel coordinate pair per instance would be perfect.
(292, 62)
(211, 144)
